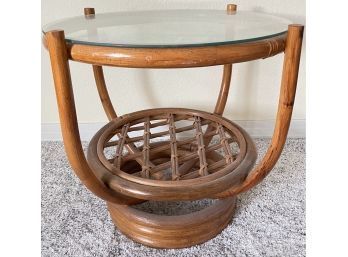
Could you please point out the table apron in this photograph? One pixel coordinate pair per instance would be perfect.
(176, 57)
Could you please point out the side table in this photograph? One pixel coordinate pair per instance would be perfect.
(170, 154)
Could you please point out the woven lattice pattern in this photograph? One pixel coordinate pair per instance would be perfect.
(170, 147)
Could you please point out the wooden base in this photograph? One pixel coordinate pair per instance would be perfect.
(173, 231)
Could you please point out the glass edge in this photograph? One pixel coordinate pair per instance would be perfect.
(71, 41)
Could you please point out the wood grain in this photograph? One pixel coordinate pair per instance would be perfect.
(68, 120)
(182, 57)
(285, 107)
(149, 189)
(214, 177)
(173, 231)
(89, 12)
(103, 92)
(231, 8)
(219, 110)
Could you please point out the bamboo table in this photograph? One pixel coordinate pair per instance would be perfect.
(169, 154)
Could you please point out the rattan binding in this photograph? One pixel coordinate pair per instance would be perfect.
(167, 141)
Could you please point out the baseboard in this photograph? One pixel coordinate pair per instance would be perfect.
(255, 128)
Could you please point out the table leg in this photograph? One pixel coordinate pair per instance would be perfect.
(285, 107)
(219, 109)
(110, 110)
(68, 120)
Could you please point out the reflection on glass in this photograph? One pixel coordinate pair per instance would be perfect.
(170, 28)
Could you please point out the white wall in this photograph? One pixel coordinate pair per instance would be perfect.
(255, 85)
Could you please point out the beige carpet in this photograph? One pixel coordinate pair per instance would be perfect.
(269, 221)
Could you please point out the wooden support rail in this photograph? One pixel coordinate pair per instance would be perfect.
(285, 107)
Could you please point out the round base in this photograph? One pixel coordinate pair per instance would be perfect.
(173, 231)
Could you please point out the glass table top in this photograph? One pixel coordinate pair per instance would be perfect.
(170, 28)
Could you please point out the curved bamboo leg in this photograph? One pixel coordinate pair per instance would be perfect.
(221, 101)
(103, 92)
(224, 90)
(285, 107)
(99, 76)
(219, 109)
(68, 120)
(109, 109)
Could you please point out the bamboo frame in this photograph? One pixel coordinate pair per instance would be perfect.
(103, 91)
(285, 107)
(67, 114)
(219, 106)
(149, 189)
(185, 57)
(182, 57)
(119, 190)
(173, 231)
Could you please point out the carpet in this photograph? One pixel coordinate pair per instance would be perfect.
(269, 219)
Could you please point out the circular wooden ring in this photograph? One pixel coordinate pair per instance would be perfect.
(180, 57)
(191, 189)
(173, 231)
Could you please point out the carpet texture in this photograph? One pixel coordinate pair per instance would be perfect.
(269, 219)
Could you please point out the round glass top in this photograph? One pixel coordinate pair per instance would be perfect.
(170, 28)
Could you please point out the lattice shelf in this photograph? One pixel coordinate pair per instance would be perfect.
(170, 146)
